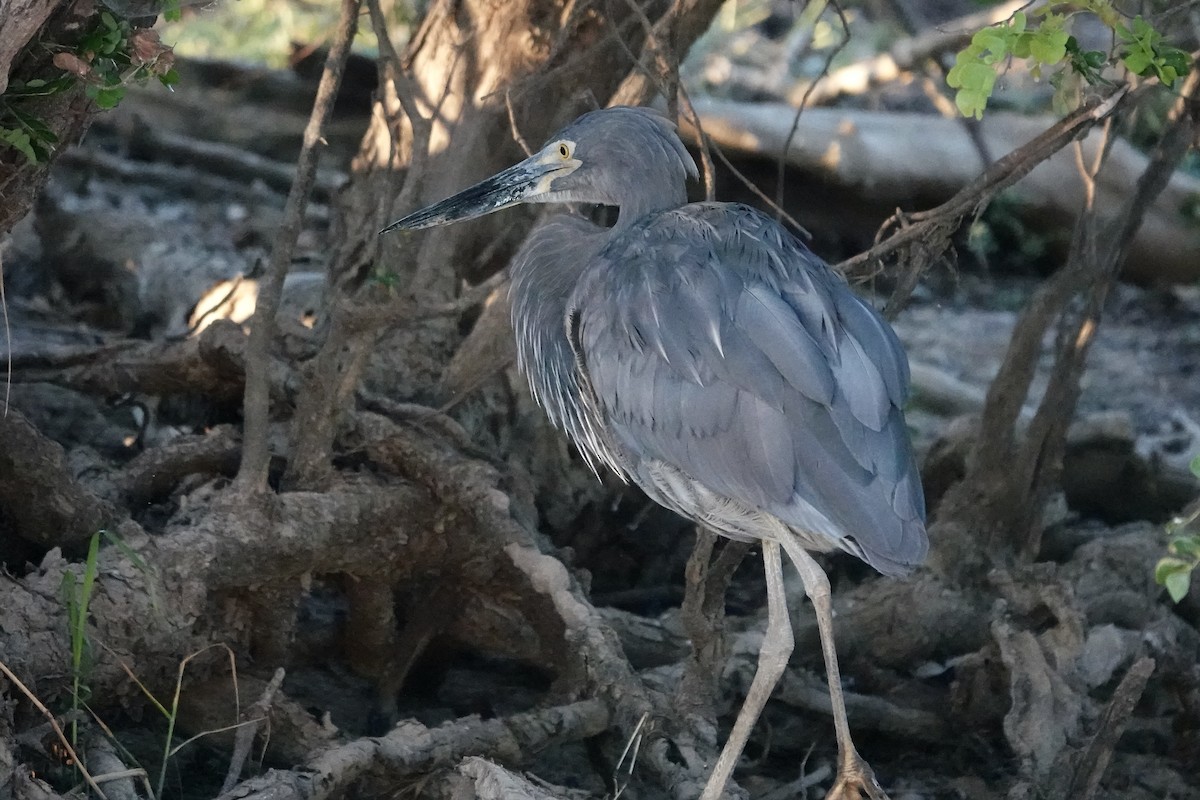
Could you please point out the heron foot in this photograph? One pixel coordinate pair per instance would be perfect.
(856, 780)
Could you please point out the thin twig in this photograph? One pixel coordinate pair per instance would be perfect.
(768, 201)
(7, 342)
(58, 731)
(671, 66)
(803, 104)
(706, 161)
(256, 454)
(512, 124)
(1000, 175)
(359, 317)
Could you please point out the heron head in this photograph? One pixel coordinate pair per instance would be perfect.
(622, 156)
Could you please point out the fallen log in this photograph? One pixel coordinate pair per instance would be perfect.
(888, 160)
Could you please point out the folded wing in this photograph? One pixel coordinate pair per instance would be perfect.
(717, 345)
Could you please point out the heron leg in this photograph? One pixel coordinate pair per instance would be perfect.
(854, 776)
(772, 660)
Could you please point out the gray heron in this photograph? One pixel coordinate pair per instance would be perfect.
(704, 353)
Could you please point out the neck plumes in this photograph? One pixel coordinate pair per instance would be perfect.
(544, 274)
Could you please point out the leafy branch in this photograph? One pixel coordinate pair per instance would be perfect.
(1042, 37)
(1174, 572)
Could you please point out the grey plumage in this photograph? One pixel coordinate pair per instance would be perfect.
(717, 346)
(705, 354)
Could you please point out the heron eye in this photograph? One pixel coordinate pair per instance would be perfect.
(563, 150)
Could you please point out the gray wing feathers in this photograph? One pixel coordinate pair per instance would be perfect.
(775, 329)
(746, 364)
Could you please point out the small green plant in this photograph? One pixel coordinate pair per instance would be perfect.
(1174, 572)
(23, 131)
(109, 57)
(1042, 37)
(77, 594)
(113, 54)
(1144, 53)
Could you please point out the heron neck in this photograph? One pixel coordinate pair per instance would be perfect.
(544, 274)
(652, 196)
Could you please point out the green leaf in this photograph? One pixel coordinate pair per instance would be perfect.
(1137, 61)
(971, 103)
(1177, 584)
(1187, 547)
(109, 97)
(35, 125)
(1022, 44)
(1104, 9)
(1167, 567)
(991, 39)
(109, 21)
(979, 77)
(1049, 47)
(19, 140)
(1195, 466)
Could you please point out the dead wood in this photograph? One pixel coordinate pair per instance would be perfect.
(891, 624)
(212, 363)
(1046, 710)
(252, 718)
(111, 773)
(148, 143)
(27, 785)
(1093, 761)
(402, 651)
(681, 25)
(41, 498)
(182, 181)
(148, 608)
(493, 782)
(154, 473)
(648, 642)
(411, 748)
(291, 735)
(415, 505)
(883, 158)
(810, 692)
(703, 617)
(592, 657)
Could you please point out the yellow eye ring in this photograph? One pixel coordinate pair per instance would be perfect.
(564, 151)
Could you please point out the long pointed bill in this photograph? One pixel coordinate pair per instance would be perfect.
(504, 189)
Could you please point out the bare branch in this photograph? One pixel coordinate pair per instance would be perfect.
(803, 104)
(999, 176)
(252, 475)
